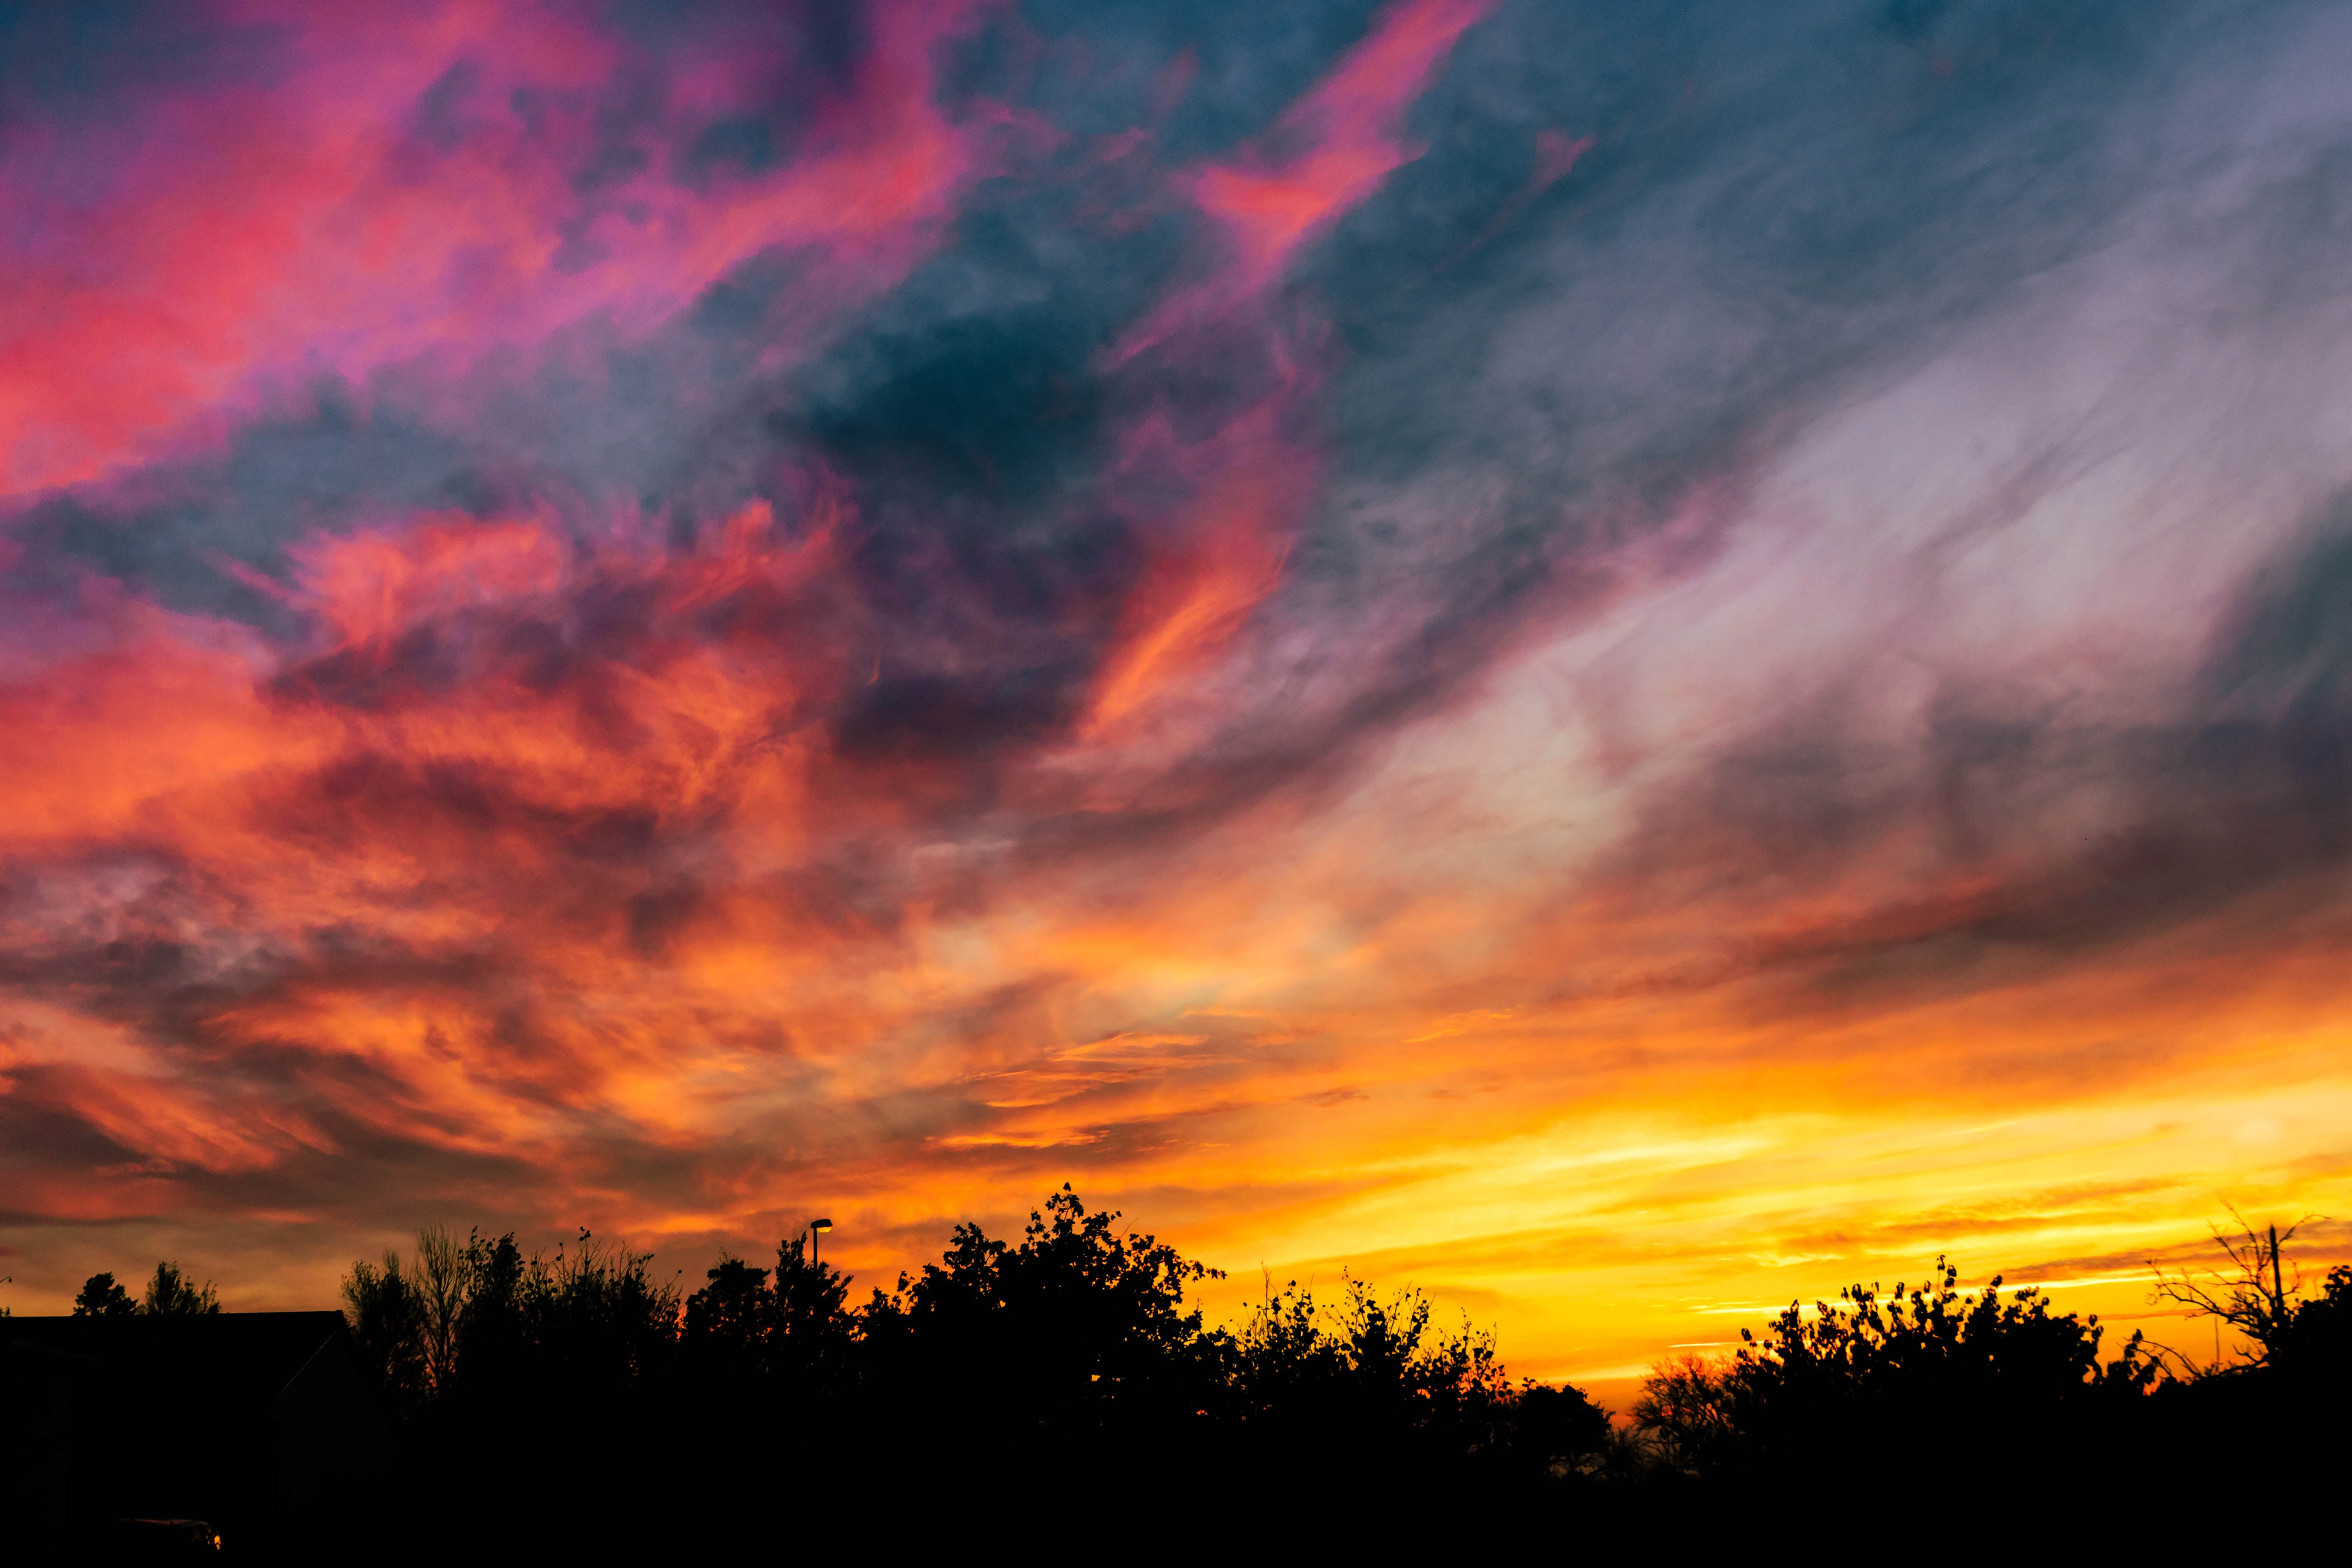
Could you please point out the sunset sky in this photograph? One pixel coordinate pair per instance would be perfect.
(1627, 660)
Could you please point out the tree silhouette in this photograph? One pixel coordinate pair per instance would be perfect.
(736, 1325)
(439, 1286)
(171, 1293)
(2255, 1296)
(2272, 1415)
(814, 1325)
(100, 1297)
(1369, 1398)
(732, 1316)
(1684, 1414)
(387, 1329)
(1077, 1329)
(1559, 1429)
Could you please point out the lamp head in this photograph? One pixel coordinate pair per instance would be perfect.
(820, 1225)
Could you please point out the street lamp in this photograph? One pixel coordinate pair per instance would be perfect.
(816, 1228)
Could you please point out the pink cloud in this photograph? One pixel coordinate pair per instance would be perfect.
(1327, 152)
(237, 233)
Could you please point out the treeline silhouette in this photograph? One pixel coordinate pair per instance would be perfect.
(1069, 1360)
(169, 1294)
(1072, 1360)
(1066, 1379)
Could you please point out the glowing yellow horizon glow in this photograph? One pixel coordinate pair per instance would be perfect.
(1279, 1054)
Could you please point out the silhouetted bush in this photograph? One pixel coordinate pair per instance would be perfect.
(1944, 1380)
(2318, 1340)
(1945, 1400)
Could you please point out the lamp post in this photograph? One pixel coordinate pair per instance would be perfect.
(816, 1228)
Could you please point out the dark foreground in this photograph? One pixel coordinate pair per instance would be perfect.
(1054, 1397)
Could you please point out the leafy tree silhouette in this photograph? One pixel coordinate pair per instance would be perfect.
(1078, 1329)
(171, 1293)
(591, 1317)
(770, 1366)
(733, 1315)
(387, 1330)
(814, 1325)
(1368, 1398)
(799, 1328)
(100, 1297)
(1556, 1430)
(517, 1376)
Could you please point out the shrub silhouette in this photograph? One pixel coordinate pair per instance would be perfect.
(2318, 1338)
(1966, 1374)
